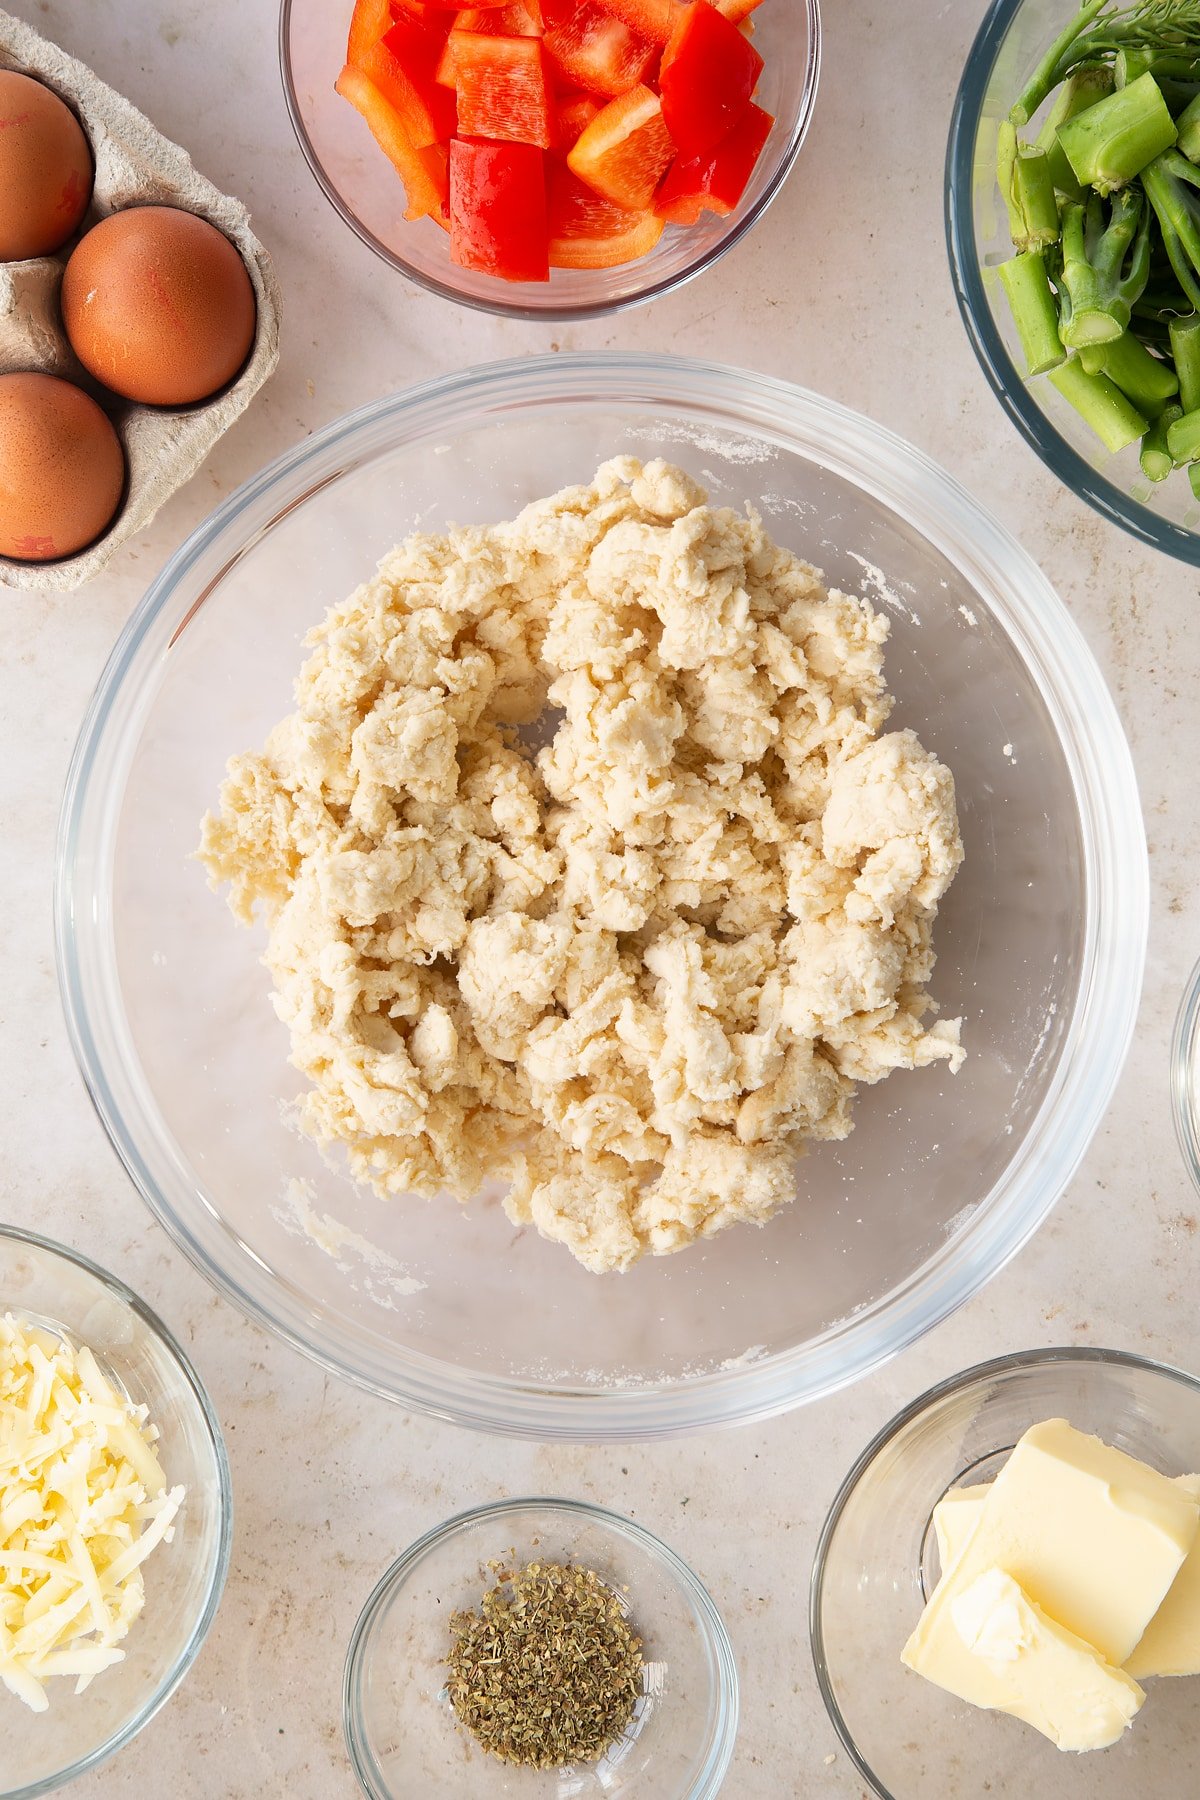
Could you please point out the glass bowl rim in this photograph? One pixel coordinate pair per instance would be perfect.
(1093, 743)
(118, 1740)
(1185, 1098)
(1003, 377)
(708, 1781)
(977, 1374)
(515, 309)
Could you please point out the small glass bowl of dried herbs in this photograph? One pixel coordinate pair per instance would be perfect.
(540, 1648)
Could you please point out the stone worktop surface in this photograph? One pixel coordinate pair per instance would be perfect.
(843, 288)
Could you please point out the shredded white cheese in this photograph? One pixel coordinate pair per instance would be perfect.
(83, 1502)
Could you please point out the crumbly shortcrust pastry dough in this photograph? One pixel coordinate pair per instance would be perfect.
(633, 972)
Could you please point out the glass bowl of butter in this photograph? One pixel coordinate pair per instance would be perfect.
(1006, 1593)
(115, 1515)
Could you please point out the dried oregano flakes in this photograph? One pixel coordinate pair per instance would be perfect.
(548, 1669)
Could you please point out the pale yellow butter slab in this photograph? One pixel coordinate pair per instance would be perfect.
(1093, 1537)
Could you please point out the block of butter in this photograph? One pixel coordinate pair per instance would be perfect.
(1009, 1657)
(954, 1519)
(1092, 1541)
(1170, 1644)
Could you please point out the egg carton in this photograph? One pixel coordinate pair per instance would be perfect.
(135, 165)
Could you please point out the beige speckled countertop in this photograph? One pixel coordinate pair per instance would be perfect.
(824, 293)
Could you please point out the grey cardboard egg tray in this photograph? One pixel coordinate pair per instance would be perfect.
(135, 165)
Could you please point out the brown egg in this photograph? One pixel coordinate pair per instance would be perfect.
(158, 306)
(62, 470)
(45, 169)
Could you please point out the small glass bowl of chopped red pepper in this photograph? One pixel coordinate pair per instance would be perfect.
(402, 1732)
(551, 158)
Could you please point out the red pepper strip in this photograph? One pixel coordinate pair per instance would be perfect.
(418, 42)
(498, 210)
(503, 91)
(715, 181)
(368, 22)
(592, 49)
(653, 20)
(512, 20)
(573, 113)
(421, 12)
(423, 171)
(737, 10)
(709, 72)
(587, 232)
(519, 20)
(625, 151)
(444, 73)
(403, 68)
(425, 11)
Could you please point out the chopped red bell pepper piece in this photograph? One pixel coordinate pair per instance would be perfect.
(425, 10)
(716, 180)
(592, 49)
(418, 40)
(423, 171)
(444, 73)
(709, 73)
(573, 113)
(503, 89)
(368, 22)
(737, 10)
(421, 12)
(498, 210)
(588, 232)
(514, 19)
(403, 67)
(653, 20)
(522, 19)
(626, 150)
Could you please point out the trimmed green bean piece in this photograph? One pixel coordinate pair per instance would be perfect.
(1183, 439)
(1188, 127)
(1113, 141)
(1101, 404)
(1185, 350)
(1156, 459)
(1034, 311)
(1145, 379)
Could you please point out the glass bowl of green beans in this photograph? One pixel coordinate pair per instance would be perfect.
(1073, 225)
(545, 1649)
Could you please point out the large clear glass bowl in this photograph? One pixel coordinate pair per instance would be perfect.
(1040, 943)
(877, 1563)
(361, 185)
(402, 1734)
(1011, 41)
(45, 1284)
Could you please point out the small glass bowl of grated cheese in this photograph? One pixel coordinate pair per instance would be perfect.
(114, 1515)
